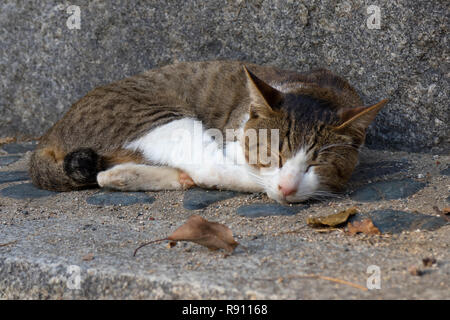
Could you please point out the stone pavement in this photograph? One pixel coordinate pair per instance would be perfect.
(80, 244)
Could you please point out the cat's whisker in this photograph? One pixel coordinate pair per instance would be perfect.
(256, 176)
(319, 195)
(257, 179)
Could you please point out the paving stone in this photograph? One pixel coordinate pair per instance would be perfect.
(25, 191)
(394, 221)
(268, 209)
(7, 160)
(11, 176)
(196, 198)
(387, 190)
(446, 172)
(13, 148)
(367, 171)
(119, 198)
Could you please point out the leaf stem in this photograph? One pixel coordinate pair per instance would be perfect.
(147, 243)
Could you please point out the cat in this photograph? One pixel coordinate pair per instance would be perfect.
(121, 135)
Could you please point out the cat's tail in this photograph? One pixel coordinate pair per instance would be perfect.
(83, 165)
(59, 171)
(53, 169)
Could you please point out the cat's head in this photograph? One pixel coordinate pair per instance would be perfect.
(317, 146)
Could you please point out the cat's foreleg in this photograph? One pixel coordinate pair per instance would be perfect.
(210, 165)
(227, 169)
(224, 176)
(140, 177)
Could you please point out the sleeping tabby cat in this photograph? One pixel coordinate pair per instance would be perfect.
(122, 135)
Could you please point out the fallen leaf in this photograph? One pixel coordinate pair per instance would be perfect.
(428, 262)
(331, 220)
(212, 235)
(88, 257)
(366, 226)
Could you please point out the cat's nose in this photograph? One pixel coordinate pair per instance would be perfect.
(287, 191)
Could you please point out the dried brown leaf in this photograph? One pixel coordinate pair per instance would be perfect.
(212, 235)
(331, 220)
(366, 226)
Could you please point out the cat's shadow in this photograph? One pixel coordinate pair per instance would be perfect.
(368, 171)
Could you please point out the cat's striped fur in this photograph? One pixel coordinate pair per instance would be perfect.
(319, 116)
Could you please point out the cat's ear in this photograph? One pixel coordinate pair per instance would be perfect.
(359, 117)
(264, 97)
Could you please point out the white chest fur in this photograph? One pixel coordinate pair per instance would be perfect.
(203, 154)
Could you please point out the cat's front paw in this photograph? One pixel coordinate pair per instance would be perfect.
(185, 180)
(117, 179)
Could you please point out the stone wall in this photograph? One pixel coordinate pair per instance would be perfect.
(45, 66)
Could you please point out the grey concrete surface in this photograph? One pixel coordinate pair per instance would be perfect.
(59, 246)
(46, 66)
(46, 261)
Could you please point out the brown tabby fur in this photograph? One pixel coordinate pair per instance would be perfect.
(312, 115)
